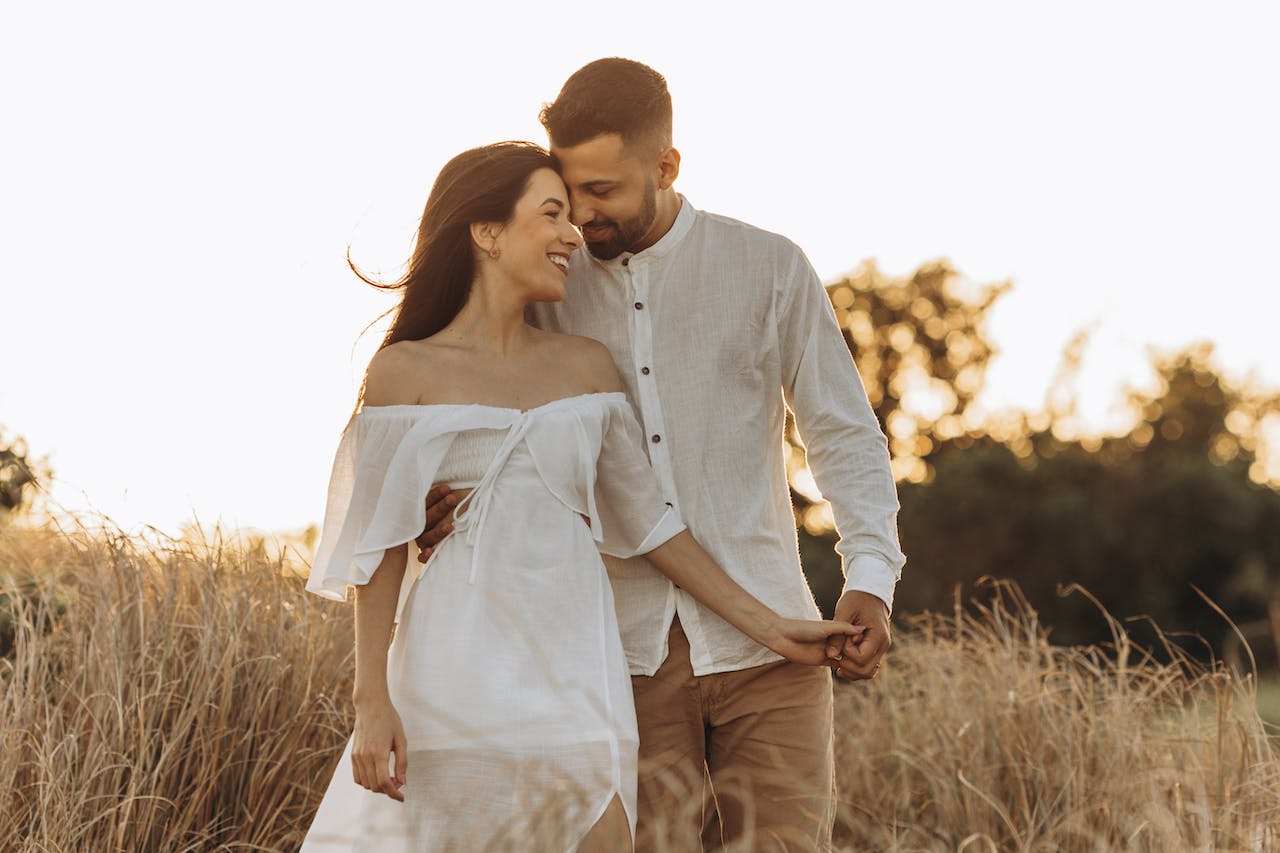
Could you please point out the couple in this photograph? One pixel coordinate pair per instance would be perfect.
(534, 407)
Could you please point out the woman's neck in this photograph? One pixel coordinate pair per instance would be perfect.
(492, 320)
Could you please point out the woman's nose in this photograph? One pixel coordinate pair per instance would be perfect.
(570, 237)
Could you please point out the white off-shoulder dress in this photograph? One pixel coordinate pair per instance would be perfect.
(506, 667)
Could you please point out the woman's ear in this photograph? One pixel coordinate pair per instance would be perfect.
(485, 237)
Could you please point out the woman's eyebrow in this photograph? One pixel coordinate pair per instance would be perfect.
(557, 202)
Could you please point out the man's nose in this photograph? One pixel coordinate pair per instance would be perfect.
(579, 212)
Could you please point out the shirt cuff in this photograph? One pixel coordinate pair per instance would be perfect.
(868, 573)
(667, 527)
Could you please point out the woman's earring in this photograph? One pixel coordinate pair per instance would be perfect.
(495, 253)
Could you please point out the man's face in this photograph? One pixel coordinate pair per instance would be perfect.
(612, 194)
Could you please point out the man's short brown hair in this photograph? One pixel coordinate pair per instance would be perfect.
(611, 96)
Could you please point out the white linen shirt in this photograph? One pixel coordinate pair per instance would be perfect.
(715, 329)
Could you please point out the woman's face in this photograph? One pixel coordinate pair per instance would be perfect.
(537, 242)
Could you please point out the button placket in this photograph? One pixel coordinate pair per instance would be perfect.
(650, 406)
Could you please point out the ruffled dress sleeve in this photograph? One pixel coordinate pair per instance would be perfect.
(386, 462)
(347, 554)
(630, 516)
(591, 456)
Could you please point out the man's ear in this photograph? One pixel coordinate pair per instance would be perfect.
(668, 168)
(485, 236)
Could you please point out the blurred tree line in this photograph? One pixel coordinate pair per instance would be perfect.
(17, 475)
(1140, 520)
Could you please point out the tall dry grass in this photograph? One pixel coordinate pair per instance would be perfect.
(164, 696)
(983, 736)
(168, 696)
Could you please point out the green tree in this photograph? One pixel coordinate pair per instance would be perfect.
(1180, 501)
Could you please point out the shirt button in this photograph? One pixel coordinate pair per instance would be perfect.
(670, 505)
(626, 262)
(645, 371)
(657, 438)
(639, 305)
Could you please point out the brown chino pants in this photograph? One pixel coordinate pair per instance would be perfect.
(762, 735)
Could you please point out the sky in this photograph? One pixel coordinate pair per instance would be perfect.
(179, 186)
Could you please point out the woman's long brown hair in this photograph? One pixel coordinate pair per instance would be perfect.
(480, 185)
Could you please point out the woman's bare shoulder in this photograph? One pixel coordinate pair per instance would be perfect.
(396, 374)
(592, 361)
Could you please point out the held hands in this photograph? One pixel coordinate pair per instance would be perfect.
(379, 733)
(860, 657)
(812, 642)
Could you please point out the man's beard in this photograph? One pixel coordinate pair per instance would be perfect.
(630, 232)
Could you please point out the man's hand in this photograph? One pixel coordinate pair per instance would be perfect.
(807, 641)
(860, 657)
(440, 504)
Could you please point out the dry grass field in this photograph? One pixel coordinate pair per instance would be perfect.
(178, 696)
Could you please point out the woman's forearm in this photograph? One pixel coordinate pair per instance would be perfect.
(691, 568)
(375, 614)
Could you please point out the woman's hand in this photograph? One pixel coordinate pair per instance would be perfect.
(807, 641)
(810, 641)
(378, 734)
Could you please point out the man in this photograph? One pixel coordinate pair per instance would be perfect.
(716, 327)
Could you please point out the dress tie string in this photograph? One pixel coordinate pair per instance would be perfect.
(471, 513)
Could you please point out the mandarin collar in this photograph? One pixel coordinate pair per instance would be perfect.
(684, 221)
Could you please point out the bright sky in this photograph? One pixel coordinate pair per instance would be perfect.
(180, 183)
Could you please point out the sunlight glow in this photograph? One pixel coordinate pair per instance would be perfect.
(186, 186)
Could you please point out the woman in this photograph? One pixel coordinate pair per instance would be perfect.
(504, 696)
